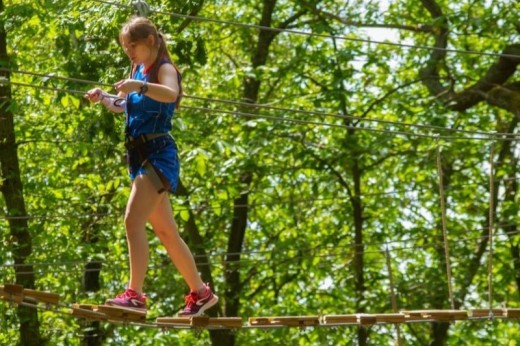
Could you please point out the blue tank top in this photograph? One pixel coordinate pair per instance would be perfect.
(145, 115)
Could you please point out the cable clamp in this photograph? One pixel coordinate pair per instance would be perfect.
(141, 7)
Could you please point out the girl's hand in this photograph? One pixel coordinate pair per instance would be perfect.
(94, 95)
(128, 85)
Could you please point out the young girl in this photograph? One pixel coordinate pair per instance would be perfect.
(149, 99)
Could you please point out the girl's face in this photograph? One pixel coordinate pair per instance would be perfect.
(139, 52)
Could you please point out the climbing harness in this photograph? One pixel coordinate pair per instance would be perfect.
(137, 145)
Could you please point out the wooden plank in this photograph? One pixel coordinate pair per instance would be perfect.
(390, 318)
(479, 313)
(366, 319)
(91, 307)
(13, 289)
(513, 313)
(18, 294)
(438, 315)
(289, 321)
(88, 311)
(117, 313)
(413, 315)
(41, 296)
(297, 321)
(339, 319)
(173, 321)
(200, 321)
(259, 321)
(12, 293)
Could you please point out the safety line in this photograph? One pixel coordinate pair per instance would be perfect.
(371, 244)
(266, 106)
(492, 136)
(346, 252)
(393, 298)
(209, 207)
(491, 224)
(310, 34)
(259, 116)
(444, 225)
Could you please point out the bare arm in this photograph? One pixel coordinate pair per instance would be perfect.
(109, 101)
(166, 90)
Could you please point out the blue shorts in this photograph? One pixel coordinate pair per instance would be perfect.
(162, 154)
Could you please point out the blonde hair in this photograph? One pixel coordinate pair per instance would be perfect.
(139, 29)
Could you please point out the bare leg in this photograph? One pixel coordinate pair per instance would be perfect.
(165, 228)
(143, 200)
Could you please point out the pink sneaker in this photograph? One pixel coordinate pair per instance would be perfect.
(129, 299)
(196, 305)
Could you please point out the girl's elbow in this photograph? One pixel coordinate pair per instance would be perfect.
(172, 97)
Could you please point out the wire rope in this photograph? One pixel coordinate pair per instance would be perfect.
(493, 135)
(326, 36)
(491, 226)
(444, 225)
(262, 106)
(260, 256)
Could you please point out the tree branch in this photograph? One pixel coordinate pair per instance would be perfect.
(495, 77)
(327, 15)
(430, 73)
(193, 13)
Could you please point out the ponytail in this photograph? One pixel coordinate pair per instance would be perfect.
(162, 53)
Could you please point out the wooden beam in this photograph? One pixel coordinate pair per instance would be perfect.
(18, 294)
(13, 289)
(340, 319)
(437, 315)
(513, 313)
(88, 311)
(479, 313)
(390, 318)
(117, 313)
(44, 297)
(366, 319)
(288, 321)
(200, 321)
(12, 293)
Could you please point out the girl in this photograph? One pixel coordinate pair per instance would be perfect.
(149, 99)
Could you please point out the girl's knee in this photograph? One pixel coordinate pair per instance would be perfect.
(133, 225)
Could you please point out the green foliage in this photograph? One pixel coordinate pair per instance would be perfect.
(335, 129)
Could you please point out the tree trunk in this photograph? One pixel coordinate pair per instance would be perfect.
(12, 191)
(94, 335)
(196, 242)
(241, 208)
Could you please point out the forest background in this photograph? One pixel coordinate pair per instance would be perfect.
(325, 169)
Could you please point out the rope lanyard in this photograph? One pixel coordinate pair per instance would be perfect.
(491, 226)
(444, 227)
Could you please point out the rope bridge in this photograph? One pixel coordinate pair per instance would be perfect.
(17, 295)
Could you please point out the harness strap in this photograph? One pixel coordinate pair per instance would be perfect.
(157, 178)
(137, 144)
(134, 142)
